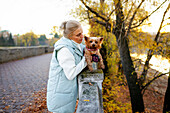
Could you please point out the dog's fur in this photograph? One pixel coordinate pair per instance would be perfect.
(93, 44)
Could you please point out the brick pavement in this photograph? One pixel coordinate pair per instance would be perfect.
(19, 79)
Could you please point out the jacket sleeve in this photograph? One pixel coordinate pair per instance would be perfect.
(67, 62)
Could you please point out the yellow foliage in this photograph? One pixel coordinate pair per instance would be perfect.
(138, 41)
(111, 95)
(29, 39)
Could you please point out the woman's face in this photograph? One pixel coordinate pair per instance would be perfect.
(77, 35)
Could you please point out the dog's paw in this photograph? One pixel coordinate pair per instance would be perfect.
(91, 68)
(103, 67)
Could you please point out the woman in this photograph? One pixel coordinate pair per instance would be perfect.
(66, 63)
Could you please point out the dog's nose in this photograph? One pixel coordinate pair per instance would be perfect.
(93, 45)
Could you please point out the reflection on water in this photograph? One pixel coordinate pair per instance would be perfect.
(157, 62)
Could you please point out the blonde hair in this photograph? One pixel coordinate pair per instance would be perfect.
(69, 27)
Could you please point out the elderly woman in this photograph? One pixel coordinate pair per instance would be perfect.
(66, 63)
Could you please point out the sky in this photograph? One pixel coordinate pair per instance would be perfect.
(39, 16)
(156, 18)
(21, 16)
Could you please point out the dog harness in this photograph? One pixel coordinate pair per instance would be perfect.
(95, 58)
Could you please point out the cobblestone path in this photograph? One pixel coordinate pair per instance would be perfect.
(19, 79)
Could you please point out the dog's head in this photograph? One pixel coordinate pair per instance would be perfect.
(93, 42)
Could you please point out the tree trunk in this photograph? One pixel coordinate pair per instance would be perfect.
(166, 108)
(128, 68)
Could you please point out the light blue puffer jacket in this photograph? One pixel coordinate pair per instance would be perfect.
(61, 92)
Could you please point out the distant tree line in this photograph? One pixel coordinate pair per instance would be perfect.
(27, 39)
(6, 39)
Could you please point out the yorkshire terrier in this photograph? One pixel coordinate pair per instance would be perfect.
(93, 44)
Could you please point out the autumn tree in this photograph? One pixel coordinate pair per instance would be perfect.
(11, 40)
(7, 39)
(2, 41)
(29, 39)
(56, 35)
(121, 17)
(42, 40)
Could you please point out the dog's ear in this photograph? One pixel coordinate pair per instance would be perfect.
(86, 38)
(101, 39)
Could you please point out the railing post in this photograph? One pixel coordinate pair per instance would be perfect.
(90, 92)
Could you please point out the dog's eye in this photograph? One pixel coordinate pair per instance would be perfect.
(91, 41)
(78, 34)
(96, 42)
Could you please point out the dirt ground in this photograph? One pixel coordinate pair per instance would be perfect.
(153, 101)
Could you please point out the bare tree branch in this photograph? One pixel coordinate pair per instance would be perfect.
(91, 10)
(129, 11)
(134, 14)
(145, 86)
(160, 27)
(141, 21)
(156, 73)
(88, 15)
(150, 52)
(111, 13)
(100, 22)
(107, 25)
